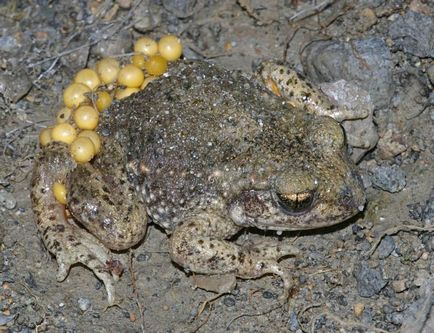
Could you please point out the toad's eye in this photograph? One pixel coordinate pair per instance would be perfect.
(296, 203)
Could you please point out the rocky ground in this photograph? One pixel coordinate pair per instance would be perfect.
(373, 273)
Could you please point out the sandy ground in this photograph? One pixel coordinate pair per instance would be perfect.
(345, 282)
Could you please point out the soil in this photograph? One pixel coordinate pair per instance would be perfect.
(373, 273)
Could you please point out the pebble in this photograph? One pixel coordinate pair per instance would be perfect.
(358, 309)
(84, 304)
(269, 295)
(293, 324)
(430, 72)
(14, 87)
(7, 200)
(414, 33)
(9, 43)
(144, 256)
(124, 4)
(395, 318)
(180, 8)
(388, 178)
(399, 285)
(369, 281)
(119, 44)
(367, 19)
(146, 17)
(386, 247)
(331, 60)
(229, 301)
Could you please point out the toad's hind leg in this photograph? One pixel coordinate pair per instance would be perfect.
(69, 242)
(199, 245)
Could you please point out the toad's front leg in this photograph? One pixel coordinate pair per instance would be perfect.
(200, 245)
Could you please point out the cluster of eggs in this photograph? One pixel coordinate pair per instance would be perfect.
(93, 90)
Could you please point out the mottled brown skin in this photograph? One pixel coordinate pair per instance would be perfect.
(206, 152)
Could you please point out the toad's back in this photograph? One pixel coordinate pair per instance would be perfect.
(197, 122)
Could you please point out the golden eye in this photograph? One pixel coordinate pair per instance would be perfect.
(296, 203)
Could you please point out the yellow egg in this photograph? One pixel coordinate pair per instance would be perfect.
(131, 76)
(138, 60)
(82, 149)
(59, 191)
(64, 133)
(147, 81)
(108, 69)
(170, 47)
(146, 46)
(94, 137)
(63, 115)
(86, 117)
(45, 136)
(74, 94)
(103, 101)
(123, 93)
(156, 65)
(88, 77)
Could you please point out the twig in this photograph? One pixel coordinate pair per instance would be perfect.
(395, 230)
(133, 283)
(347, 323)
(311, 11)
(205, 321)
(252, 315)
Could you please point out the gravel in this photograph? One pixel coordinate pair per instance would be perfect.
(388, 178)
(414, 33)
(358, 62)
(369, 281)
(386, 247)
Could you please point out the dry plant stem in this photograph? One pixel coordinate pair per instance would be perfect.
(253, 315)
(394, 231)
(311, 11)
(345, 323)
(417, 324)
(208, 301)
(115, 31)
(133, 283)
(211, 308)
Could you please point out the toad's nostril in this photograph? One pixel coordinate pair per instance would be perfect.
(295, 203)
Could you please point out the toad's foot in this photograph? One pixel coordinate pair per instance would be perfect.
(199, 246)
(302, 94)
(67, 241)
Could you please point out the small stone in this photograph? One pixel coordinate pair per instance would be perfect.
(118, 44)
(430, 72)
(395, 318)
(146, 17)
(269, 295)
(414, 33)
(14, 87)
(358, 309)
(388, 178)
(386, 247)
(180, 8)
(369, 281)
(7, 200)
(229, 301)
(367, 19)
(84, 304)
(124, 4)
(399, 286)
(144, 256)
(293, 324)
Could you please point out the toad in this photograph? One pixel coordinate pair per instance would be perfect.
(203, 153)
